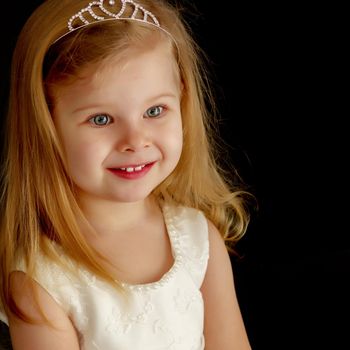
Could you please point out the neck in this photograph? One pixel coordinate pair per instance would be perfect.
(109, 217)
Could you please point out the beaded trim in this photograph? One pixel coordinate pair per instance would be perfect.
(79, 19)
(177, 255)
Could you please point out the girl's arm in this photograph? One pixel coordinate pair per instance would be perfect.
(60, 335)
(223, 324)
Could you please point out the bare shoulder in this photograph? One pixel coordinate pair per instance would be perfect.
(35, 302)
(216, 242)
(223, 324)
(219, 266)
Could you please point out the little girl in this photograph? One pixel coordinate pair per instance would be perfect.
(115, 215)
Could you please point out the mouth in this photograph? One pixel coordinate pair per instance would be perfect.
(132, 171)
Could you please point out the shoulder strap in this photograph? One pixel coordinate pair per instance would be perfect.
(191, 229)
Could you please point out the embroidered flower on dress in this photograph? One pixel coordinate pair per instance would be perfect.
(122, 323)
(184, 300)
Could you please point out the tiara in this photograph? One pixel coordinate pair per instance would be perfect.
(79, 20)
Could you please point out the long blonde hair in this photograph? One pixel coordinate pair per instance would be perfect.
(37, 198)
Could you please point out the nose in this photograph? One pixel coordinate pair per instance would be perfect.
(133, 138)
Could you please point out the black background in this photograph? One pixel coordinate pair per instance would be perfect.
(278, 73)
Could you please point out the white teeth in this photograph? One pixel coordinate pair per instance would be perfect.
(131, 170)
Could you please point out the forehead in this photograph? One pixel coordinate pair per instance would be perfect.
(136, 70)
(155, 57)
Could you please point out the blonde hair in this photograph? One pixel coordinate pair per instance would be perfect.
(37, 198)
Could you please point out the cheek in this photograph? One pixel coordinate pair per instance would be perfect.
(175, 140)
(83, 156)
(177, 146)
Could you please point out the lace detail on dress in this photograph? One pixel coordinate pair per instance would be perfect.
(118, 322)
(184, 300)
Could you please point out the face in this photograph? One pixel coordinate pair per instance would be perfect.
(120, 126)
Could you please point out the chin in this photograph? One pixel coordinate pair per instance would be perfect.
(130, 197)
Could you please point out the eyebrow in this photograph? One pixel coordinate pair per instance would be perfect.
(93, 106)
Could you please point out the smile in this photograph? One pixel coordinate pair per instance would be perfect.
(132, 172)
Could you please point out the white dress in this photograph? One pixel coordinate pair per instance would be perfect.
(164, 315)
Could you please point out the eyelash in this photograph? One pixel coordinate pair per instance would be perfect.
(91, 120)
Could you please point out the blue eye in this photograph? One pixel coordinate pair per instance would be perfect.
(100, 120)
(154, 112)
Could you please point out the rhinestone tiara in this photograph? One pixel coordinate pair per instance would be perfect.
(80, 20)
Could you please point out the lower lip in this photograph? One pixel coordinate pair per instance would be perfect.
(132, 175)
